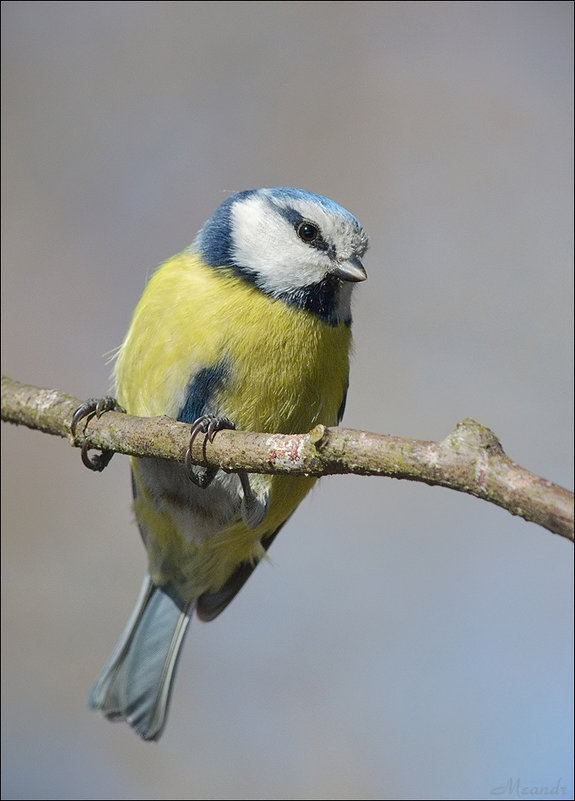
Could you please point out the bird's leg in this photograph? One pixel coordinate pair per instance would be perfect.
(91, 407)
(253, 510)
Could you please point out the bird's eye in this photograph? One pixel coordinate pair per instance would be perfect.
(308, 232)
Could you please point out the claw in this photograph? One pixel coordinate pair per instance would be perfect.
(94, 406)
(216, 424)
(209, 425)
(98, 462)
(91, 407)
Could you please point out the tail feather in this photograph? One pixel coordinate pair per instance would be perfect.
(135, 684)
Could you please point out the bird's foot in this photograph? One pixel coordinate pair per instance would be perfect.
(253, 510)
(91, 407)
(209, 425)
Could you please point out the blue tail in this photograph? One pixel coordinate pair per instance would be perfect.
(135, 684)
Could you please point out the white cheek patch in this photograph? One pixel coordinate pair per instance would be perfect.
(265, 243)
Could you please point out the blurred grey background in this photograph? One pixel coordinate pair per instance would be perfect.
(405, 641)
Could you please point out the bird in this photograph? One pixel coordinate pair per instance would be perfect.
(249, 328)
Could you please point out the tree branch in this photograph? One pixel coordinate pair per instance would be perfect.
(470, 459)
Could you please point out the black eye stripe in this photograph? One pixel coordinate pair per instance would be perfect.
(307, 230)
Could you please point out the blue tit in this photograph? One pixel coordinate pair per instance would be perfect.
(250, 324)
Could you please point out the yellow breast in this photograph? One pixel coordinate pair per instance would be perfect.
(287, 368)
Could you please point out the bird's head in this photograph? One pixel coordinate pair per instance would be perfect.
(292, 245)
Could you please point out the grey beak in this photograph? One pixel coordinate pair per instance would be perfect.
(351, 270)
